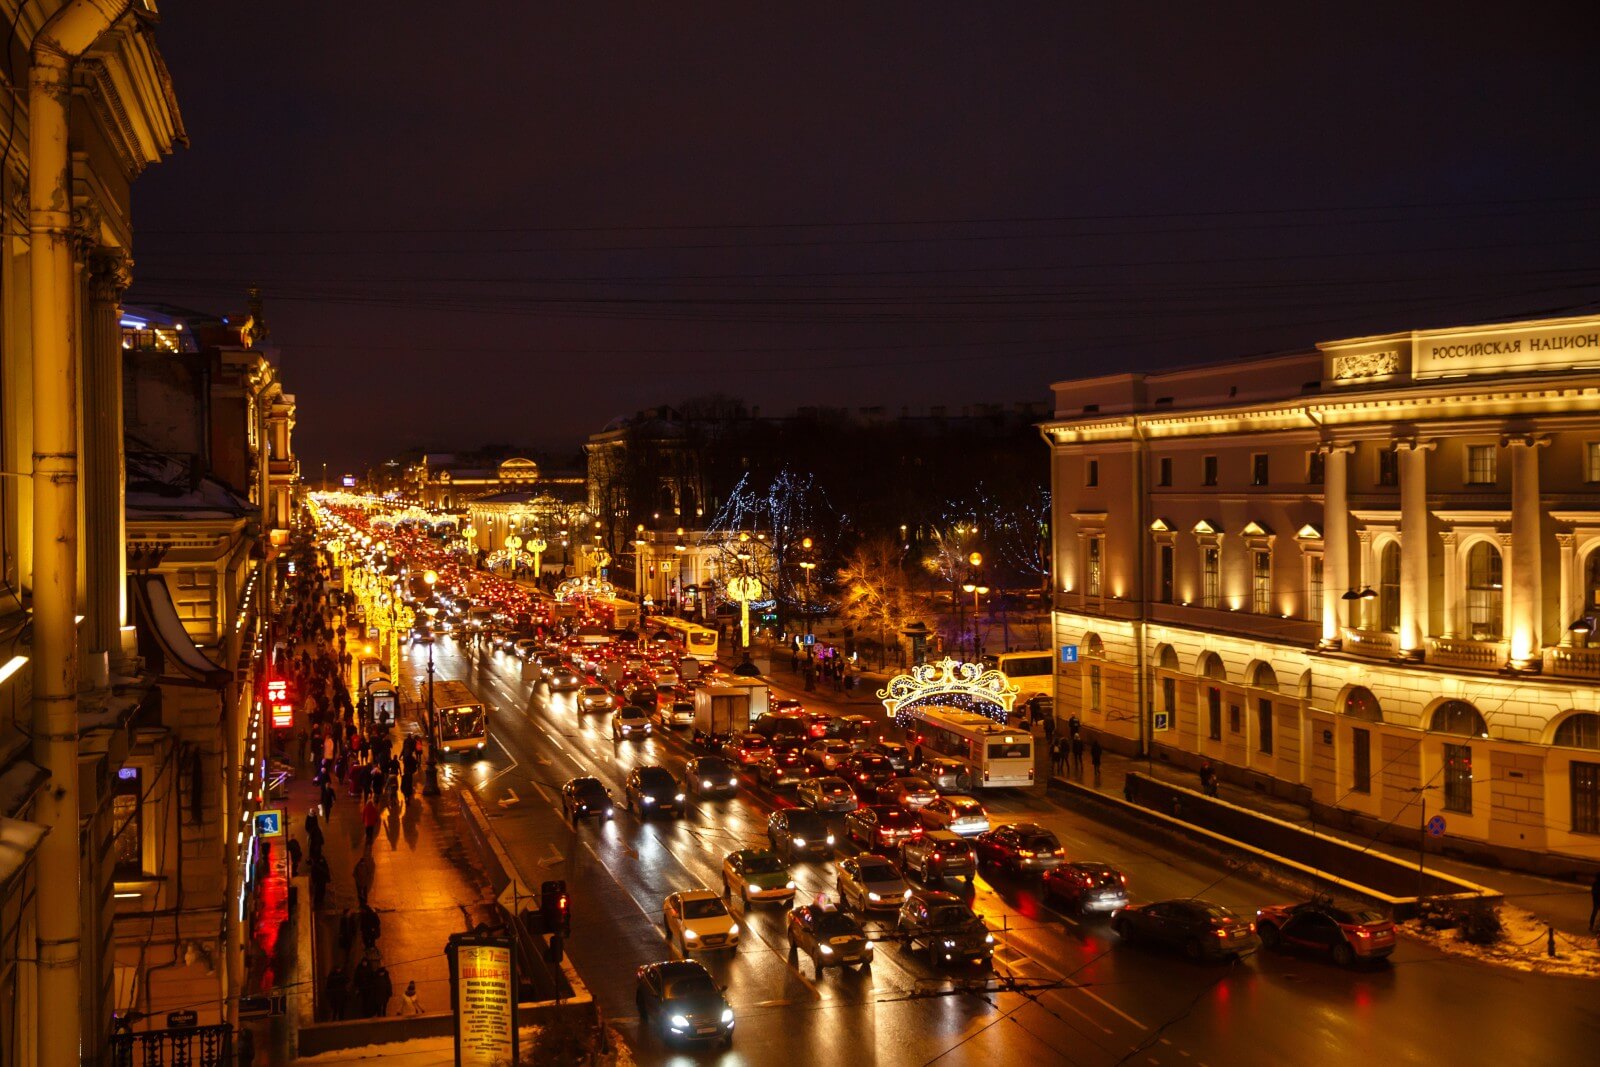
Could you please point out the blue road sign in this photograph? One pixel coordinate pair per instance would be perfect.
(269, 823)
(1069, 653)
(1163, 721)
(1436, 826)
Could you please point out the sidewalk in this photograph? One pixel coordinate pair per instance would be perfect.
(1561, 904)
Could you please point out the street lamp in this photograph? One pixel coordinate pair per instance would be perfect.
(430, 781)
(639, 542)
(513, 544)
(807, 565)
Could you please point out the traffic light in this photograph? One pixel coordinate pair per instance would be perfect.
(555, 909)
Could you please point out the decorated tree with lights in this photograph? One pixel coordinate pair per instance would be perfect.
(875, 591)
(776, 520)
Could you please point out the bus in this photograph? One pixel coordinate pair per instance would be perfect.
(699, 641)
(995, 756)
(624, 613)
(463, 724)
(1033, 673)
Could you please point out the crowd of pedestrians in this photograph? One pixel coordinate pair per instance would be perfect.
(1067, 751)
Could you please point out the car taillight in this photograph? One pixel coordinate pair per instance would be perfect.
(1222, 931)
(1025, 853)
(1059, 852)
(1124, 878)
(1363, 933)
(938, 855)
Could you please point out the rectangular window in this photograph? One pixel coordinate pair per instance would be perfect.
(127, 824)
(1166, 553)
(1165, 477)
(1169, 695)
(1585, 798)
(1314, 587)
(1360, 761)
(1481, 465)
(1210, 576)
(1091, 473)
(1458, 778)
(1316, 468)
(1591, 462)
(1235, 719)
(1214, 713)
(1208, 470)
(1264, 726)
(1091, 585)
(1258, 469)
(1388, 467)
(1261, 582)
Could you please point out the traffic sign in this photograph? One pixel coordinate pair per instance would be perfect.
(516, 895)
(269, 822)
(1163, 721)
(1436, 826)
(1069, 653)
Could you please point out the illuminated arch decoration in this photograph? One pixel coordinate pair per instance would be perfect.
(508, 558)
(587, 586)
(950, 684)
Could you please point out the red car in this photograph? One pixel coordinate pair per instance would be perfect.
(747, 750)
(882, 826)
(1343, 934)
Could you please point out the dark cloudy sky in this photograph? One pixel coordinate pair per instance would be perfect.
(515, 221)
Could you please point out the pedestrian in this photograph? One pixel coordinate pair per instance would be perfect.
(313, 834)
(294, 857)
(1073, 726)
(1049, 722)
(347, 932)
(1077, 755)
(370, 817)
(1094, 758)
(370, 925)
(361, 989)
(1208, 778)
(364, 872)
(336, 992)
(382, 990)
(1056, 757)
(1594, 897)
(321, 875)
(409, 1004)
(327, 797)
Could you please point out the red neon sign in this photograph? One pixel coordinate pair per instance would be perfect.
(281, 703)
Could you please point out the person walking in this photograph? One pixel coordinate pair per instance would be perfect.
(336, 992)
(1058, 755)
(1077, 755)
(1208, 778)
(364, 872)
(327, 798)
(321, 875)
(1049, 723)
(371, 927)
(409, 1004)
(1074, 724)
(294, 857)
(1094, 758)
(371, 816)
(382, 991)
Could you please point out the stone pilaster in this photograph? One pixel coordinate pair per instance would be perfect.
(104, 472)
(1413, 544)
(1527, 603)
(1336, 539)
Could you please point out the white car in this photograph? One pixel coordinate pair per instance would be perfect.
(697, 920)
(630, 722)
(958, 814)
(596, 698)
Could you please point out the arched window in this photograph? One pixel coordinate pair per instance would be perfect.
(1167, 658)
(1389, 588)
(1458, 717)
(1211, 666)
(1264, 677)
(1485, 595)
(1359, 703)
(1580, 730)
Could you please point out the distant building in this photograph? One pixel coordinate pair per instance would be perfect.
(445, 480)
(1365, 575)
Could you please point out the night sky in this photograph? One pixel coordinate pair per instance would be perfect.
(519, 224)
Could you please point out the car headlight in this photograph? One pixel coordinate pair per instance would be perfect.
(727, 1016)
(610, 812)
(691, 935)
(830, 839)
(791, 885)
(734, 930)
(949, 944)
(799, 842)
(705, 783)
(680, 1022)
(680, 796)
(733, 781)
(906, 894)
(648, 800)
(827, 950)
(873, 896)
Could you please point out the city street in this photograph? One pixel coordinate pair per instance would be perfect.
(1088, 999)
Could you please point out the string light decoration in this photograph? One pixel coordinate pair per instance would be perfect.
(949, 684)
(587, 586)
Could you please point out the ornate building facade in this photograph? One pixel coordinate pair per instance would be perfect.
(1365, 576)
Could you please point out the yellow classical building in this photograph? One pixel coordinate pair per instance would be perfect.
(1364, 576)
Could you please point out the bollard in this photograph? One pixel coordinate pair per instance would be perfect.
(1550, 949)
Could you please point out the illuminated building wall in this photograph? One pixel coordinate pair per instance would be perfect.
(1349, 574)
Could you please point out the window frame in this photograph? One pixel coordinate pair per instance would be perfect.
(1360, 760)
(1208, 470)
(1166, 572)
(1485, 593)
(127, 830)
(1264, 737)
(1583, 784)
(1214, 712)
(1210, 576)
(1591, 462)
(1094, 560)
(1316, 467)
(1260, 468)
(1388, 468)
(1457, 774)
(1091, 472)
(1482, 473)
(1261, 581)
(1164, 471)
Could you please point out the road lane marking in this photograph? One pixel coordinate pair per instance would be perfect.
(1075, 986)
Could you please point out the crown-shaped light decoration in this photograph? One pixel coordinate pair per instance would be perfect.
(950, 684)
(587, 586)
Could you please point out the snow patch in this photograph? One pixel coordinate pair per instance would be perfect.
(1524, 945)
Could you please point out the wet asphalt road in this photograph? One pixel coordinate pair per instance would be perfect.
(1091, 1001)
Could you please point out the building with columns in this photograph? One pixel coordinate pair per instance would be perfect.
(1364, 576)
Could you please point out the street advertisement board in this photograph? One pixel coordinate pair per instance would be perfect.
(483, 987)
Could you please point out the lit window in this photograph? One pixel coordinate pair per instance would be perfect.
(1261, 582)
(1458, 778)
(1092, 584)
(1585, 797)
(1210, 577)
(127, 824)
(1481, 465)
(1258, 469)
(1591, 462)
(1485, 593)
(1314, 588)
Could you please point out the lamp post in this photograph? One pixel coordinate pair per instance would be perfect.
(977, 590)
(807, 565)
(743, 588)
(430, 781)
(638, 562)
(537, 544)
(514, 544)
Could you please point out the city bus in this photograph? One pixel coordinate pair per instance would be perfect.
(624, 613)
(698, 641)
(1033, 673)
(995, 756)
(463, 725)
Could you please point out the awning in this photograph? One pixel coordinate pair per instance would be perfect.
(18, 842)
(181, 655)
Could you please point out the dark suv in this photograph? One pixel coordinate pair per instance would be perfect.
(799, 833)
(939, 854)
(653, 790)
(945, 928)
(829, 936)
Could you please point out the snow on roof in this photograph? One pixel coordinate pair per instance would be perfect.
(18, 782)
(175, 640)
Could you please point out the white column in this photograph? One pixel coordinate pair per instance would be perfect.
(1413, 543)
(1570, 609)
(1365, 582)
(1336, 540)
(1526, 514)
(1452, 584)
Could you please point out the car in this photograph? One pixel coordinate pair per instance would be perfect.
(866, 773)
(829, 936)
(1343, 934)
(869, 882)
(774, 773)
(631, 721)
(898, 755)
(757, 875)
(776, 724)
(785, 706)
(799, 832)
(697, 920)
(564, 679)
(586, 796)
(684, 1002)
(1201, 929)
(549, 663)
(526, 648)
(913, 793)
(679, 713)
(710, 776)
(666, 677)
(881, 826)
(652, 790)
(946, 775)
(816, 723)
(826, 794)
(1086, 887)
(855, 729)
(827, 757)
(1019, 847)
(747, 749)
(939, 854)
(596, 698)
(956, 813)
(643, 696)
(945, 928)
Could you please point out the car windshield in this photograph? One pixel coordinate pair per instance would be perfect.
(763, 863)
(1356, 917)
(690, 987)
(1216, 912)
(896, 817)
(805, 823)
(1103, 877)
(703, 908)
(753, 741)
(836, 924)
(833, 785)
(879, 871)
(593, 691)
(967, 807)
(656, 778)
(949, 915)
(588, 787)
(711, 765)
(1040, 842)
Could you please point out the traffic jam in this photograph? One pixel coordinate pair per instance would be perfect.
(889, 820)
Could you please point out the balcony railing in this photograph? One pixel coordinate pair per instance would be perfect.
(195, 1046)
(1573, 662)
(1467, 654)
(1377, 644)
